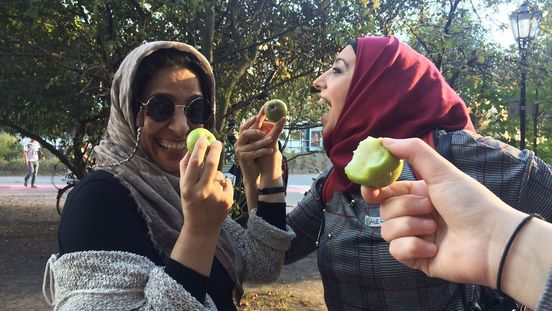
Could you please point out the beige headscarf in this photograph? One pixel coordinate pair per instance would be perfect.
(156, 192)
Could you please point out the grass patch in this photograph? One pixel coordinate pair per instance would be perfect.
(275, 299)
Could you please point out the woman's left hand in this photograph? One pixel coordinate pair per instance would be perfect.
(257, 146)
(206, 195)
(271, 165)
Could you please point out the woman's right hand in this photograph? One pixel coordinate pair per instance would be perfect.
(206, 199)
(205, 193)
(447, 225)
(451, 227)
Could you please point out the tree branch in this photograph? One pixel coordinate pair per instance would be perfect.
(301, 154)
(43, 52)
(277, 35)
(209, 31)
(245, 103)
(304, 126)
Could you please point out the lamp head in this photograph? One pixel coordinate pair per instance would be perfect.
(525, 22)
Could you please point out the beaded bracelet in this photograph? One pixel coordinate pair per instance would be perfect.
(507, 249)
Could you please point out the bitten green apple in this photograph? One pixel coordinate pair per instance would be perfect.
(194, 135)
(372, 164)
(275, 109)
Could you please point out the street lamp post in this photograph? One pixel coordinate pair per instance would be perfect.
(525, 23)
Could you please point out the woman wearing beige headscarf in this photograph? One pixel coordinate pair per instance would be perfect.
(148, 229)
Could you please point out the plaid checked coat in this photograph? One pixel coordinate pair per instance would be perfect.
(357, 270)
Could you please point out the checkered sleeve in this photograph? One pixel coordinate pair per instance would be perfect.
(307, 220)
(536, 191)
(518, 177)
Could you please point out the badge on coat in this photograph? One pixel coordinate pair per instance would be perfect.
(373, 221)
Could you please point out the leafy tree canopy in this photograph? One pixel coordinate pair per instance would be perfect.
(58, 58)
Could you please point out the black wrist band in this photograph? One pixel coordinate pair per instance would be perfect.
(507, 249)
(271, 190)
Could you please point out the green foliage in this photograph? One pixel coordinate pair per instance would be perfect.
(58, 59)
(485, 75)
(16, 166)
(10, 148)
(64, 65)
(545, 152)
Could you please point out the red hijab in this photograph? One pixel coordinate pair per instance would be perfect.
(394, 92)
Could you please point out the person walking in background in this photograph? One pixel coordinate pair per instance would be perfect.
(31, 154)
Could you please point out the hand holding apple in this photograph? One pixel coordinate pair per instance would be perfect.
(206, 199)
(271, 164)
(257, 139)
(206, 196)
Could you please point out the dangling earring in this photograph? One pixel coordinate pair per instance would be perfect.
(116, 163)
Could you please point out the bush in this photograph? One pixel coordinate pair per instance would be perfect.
(10, 148)
(544, 151)
(15, 167)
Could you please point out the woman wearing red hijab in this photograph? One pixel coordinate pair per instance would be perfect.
(381, 87)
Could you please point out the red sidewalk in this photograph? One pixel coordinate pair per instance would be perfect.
(20, 187)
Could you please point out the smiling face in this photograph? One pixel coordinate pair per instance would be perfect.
(164, 142)
(334, 85)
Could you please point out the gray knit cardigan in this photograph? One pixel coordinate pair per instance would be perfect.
(112, 280)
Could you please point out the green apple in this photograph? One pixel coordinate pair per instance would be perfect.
(194, 135)
(275, 109)
(372, 165)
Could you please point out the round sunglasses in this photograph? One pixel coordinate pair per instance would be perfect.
(160, 108)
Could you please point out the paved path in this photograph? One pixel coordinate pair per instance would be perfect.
(43, 183)
(298, 185)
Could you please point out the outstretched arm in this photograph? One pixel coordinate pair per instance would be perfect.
(450, 226)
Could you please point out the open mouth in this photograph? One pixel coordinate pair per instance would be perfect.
(171, 145)
(324, 102)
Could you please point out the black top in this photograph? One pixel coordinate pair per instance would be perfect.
(100, 214)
